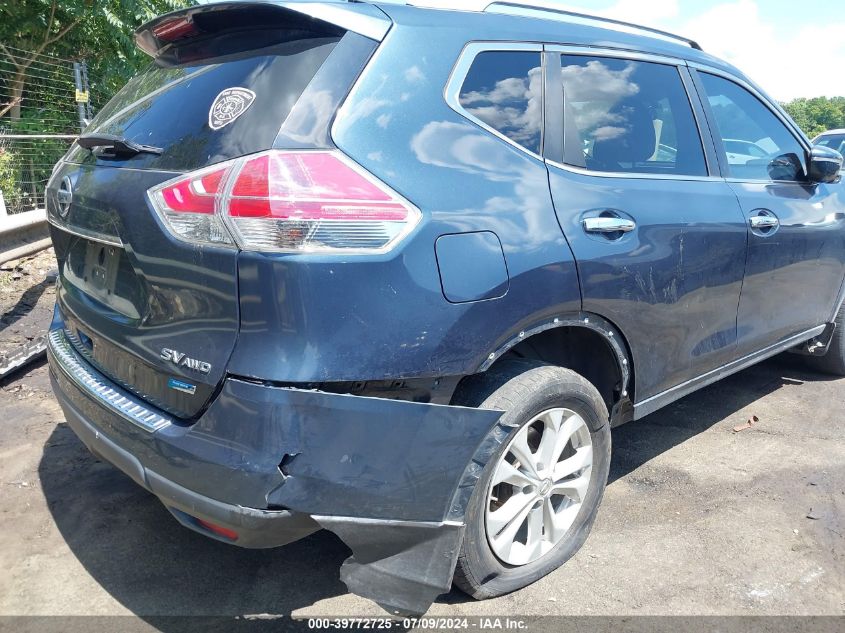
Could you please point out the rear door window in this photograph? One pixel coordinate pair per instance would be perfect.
(628, 116)
(207, 112)
(504, 91)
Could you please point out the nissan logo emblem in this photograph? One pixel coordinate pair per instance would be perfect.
(64, 196)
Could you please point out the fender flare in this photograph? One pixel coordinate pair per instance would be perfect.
(609, 332)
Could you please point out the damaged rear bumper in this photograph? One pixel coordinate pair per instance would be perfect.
(265, 466)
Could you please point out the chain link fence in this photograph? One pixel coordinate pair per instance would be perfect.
(44, 103)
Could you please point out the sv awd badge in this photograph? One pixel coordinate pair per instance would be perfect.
(181, 360)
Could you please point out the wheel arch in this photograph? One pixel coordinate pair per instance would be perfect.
(585, 342)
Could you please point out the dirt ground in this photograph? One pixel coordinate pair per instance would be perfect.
(27, 293)
(697, 519)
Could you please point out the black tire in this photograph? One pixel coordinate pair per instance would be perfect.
(524, 389)
(834, 361)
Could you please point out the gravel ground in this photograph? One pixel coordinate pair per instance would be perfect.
(698, 519)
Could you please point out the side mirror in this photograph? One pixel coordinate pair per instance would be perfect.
(824, 164)
(785, 167)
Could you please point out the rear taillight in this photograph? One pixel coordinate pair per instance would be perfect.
(188, 206)
(286, 201)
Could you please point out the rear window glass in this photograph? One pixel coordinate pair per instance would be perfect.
(184, 110)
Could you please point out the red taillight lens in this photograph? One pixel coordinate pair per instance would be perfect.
(187, 206)
(194, 195)
(291, 202)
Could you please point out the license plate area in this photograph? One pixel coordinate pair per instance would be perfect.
(101, 265)
(103, 272)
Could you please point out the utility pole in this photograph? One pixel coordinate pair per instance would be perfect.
(89, 110)
(81, 95)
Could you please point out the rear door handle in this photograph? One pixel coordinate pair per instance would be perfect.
(763, 222)
(608, 225)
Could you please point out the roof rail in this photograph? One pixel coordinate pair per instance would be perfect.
(548, 10)
(544, 9)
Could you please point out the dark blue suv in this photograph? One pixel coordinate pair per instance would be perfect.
(395, 273)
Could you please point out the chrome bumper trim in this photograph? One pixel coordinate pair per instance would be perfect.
(99, 388)
(88, 235)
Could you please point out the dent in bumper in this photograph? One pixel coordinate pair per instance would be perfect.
(390, 478)
(256, 528)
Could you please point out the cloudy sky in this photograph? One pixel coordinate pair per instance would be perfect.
(792, 49)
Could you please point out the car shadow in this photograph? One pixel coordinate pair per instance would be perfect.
(638, 442)
(132, 546)
(136, 551)
(25, 304)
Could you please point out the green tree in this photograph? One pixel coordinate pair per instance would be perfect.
(817, 115)
(97, 30)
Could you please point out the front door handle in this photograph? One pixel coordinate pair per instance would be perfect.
(763, 222)
(608, 225)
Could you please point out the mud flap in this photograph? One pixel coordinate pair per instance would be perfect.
(402, 566)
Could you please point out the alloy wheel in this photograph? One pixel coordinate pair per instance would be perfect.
(538, 486)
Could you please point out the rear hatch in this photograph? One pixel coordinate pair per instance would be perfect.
(155, 313)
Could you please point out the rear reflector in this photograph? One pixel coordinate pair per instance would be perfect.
(219, 530)
(286, 201)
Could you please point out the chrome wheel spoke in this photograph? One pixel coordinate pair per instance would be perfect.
(575, 488)
(506, 539)
(523, 453)
(582, 458)
(511, 513)
(552, 421)
(508, 474)
(558, 521)
(568, 428)
(534, 539)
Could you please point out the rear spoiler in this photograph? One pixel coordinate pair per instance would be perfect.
(172, 29)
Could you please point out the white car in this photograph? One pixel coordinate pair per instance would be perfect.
(742, 152)
(834, 139)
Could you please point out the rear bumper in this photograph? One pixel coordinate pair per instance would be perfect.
(390, 478)
(255, 528)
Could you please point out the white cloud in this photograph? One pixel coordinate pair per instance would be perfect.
(785, 64)
(784, 59)
(803, 57)
(414, 75)
(502, 105)
(641, 12)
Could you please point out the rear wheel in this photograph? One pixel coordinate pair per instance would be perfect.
(538, 496)
(834, 361)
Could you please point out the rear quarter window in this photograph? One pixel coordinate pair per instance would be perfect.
(504, 91)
